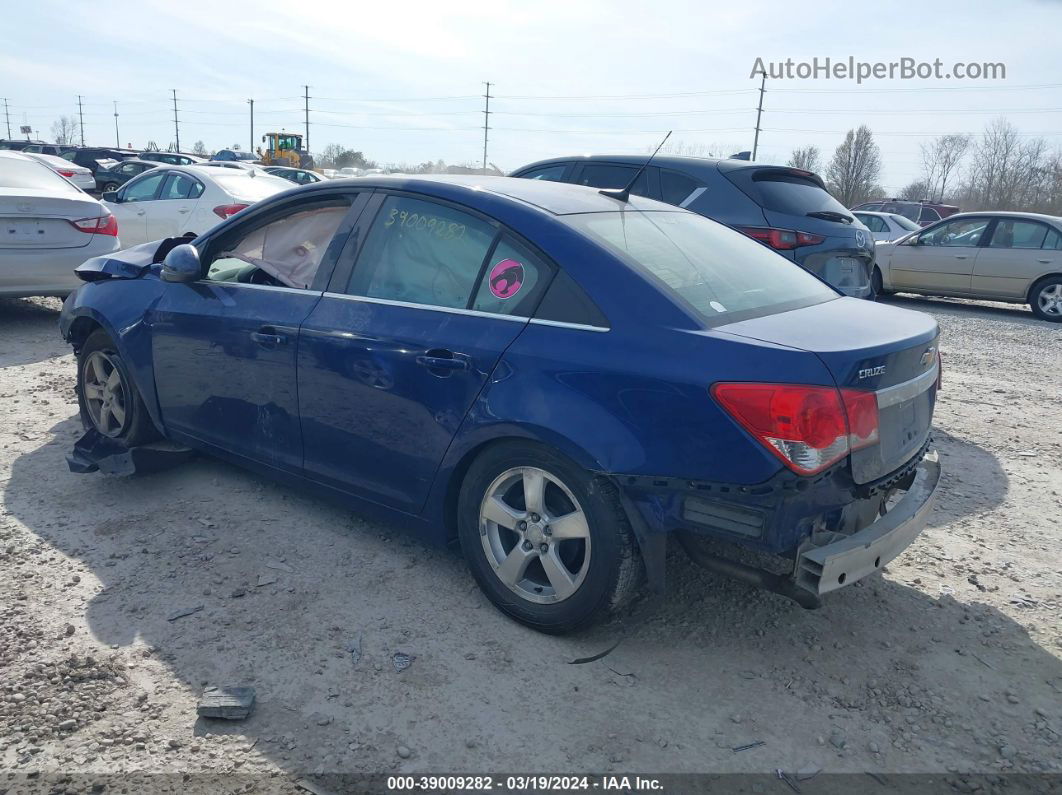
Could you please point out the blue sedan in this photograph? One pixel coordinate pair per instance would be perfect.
(560, 380)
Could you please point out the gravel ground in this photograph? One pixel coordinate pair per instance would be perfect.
(949, 663)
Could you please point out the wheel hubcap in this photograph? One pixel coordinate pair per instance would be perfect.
(535, 535)
(105, 394)
(1050, 300)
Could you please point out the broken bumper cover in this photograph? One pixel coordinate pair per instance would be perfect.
(831, 566)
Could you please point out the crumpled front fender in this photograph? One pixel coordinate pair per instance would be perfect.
(129, 263)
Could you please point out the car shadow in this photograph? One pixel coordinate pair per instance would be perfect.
(23, 323)
(990, 310)
(209, 575)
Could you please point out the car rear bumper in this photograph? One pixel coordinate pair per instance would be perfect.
(834, 565)
(25, 272)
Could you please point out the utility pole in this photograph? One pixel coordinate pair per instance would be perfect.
(7, 115)
(486, 125)
(759, 112)
(176, 127)
(251, 103)
(81, 116)
(117, 138)
(307, 106)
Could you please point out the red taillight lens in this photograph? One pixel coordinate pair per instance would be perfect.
(103, 225)
(807, 427)
(64, 172)
(226, 210)
(781, 239)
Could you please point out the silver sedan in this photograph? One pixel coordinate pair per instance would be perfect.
(47, 228)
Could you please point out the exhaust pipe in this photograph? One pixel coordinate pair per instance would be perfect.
(776, 583)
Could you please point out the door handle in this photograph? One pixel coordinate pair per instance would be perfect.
(268, 338)
(140, 212)
(182, 209)
(442, 360)
(960, 256)
(1045, 262)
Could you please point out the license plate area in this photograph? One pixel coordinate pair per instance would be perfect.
(904, 423)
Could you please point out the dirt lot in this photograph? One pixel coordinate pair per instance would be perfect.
(951, 662)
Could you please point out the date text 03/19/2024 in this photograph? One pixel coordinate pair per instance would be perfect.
(525, 783)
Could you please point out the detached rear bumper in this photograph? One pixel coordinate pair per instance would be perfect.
(831, 566)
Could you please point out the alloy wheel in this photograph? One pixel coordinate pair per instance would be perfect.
(105, 394)
(1049, 299)
(535, 535)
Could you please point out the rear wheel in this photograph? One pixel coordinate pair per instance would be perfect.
(109, 400)
(548, 542)
(877, 284)
(1045, 299)
(109, 186)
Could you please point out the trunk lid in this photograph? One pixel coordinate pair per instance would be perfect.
(870, 347)
(35, 219)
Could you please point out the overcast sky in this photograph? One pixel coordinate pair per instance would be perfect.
(402, 81)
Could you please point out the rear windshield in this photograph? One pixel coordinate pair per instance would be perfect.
(722, 274)
(782, 192)
(241, 184)
(17, 173)
(904, 222)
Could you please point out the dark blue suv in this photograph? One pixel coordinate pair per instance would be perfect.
(785, 208)
(558, 379)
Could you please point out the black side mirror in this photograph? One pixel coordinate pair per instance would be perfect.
(111, 196)
(181, 264)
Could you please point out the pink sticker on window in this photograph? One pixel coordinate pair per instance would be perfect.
(506, 278)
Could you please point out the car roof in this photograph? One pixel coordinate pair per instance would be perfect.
(556, 198)
(1053, 219)
(679, 162)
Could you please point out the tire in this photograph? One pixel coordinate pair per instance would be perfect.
(592, 573)
(110, 404)
(1045, 299)
(877, 284)
(110, 186)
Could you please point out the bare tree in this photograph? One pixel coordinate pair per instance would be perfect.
(855, 167)
(1007, 172)
(199, 148)
(808, 158)
(940, 160)
(915, 191)
(64, 130)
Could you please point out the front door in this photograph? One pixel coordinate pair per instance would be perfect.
(391, 360)
(225, 346)
(942, 258)
(130, 210)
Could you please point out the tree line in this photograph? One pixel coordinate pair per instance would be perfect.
(999, 170)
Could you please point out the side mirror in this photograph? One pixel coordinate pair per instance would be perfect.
(181, 264)
(111, 196)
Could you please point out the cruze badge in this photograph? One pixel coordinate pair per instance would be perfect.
(870, 372)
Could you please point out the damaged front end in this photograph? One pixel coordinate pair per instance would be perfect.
(800, 537)
(129, 263)
(95, 452)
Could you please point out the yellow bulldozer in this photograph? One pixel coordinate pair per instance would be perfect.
(285, 149)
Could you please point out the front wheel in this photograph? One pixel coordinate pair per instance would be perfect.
(109, 400)
(877, 284)
(548, 542)
(1045, 299)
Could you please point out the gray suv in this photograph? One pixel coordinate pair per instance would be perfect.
(787, 209)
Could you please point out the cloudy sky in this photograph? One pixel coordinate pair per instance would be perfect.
(403, 81)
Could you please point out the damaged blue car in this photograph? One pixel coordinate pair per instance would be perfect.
(560, 379)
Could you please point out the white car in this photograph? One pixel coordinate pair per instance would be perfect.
(47, 228)
(170, 201)
(886, 226)
(79, 175)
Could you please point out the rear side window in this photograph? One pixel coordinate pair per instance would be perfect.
(785, 192)
(1018, 234)
(181, 186)
(512, 281)
(549, 173)
(721, 274)
(676, 188)
(567, 302)
(1053, 240)
(421, 252)
(928, 215)
(604, 175)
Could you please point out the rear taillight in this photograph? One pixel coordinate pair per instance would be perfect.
(807, 427)
(103, 225)
(781, 239)
(65, 172)
(227, 210)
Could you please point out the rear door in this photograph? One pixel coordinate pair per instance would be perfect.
(940, 259)
(170, 214)
(397, 350)
(1018, 252)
